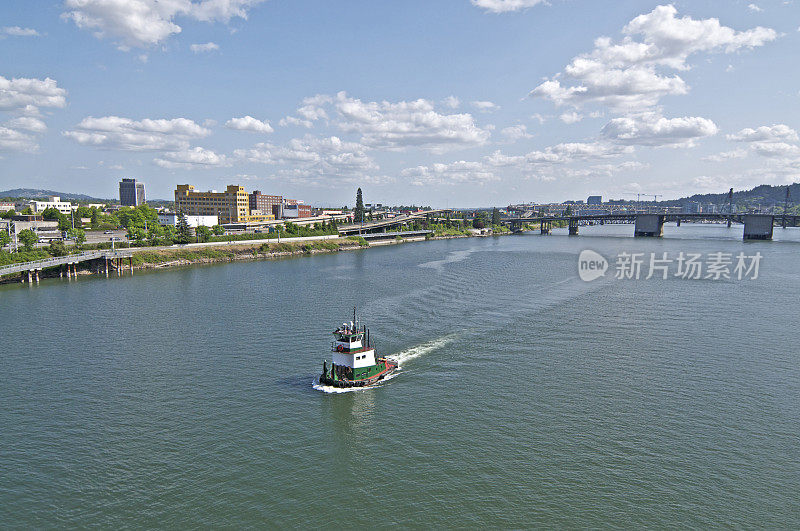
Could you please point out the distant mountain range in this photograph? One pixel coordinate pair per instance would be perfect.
(32, 193)
(760, 195)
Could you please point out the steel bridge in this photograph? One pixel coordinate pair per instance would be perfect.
(756, 226)
(382, 225)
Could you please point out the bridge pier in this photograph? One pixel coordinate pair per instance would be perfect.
(730, 221)
(649, 225)
(758, 227)
(573, 227)
(106, 267)
(30, 276)
(679, 222)
(36, 275)
(544, 227)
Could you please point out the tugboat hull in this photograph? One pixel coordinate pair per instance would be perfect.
(328, 378)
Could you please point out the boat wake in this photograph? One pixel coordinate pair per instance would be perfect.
(400, 357)
(420, 350)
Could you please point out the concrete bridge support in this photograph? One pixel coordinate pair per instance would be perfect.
(649, 225)
(545, 227)
(573, 227)
(758, 227)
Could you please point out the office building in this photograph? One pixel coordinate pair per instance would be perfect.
(265, 205)
(37, 207)
(230, 206)
(595, 200)
(131, 193)
(171, 218)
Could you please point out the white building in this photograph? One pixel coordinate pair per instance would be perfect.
(38, 207)
(171, 218)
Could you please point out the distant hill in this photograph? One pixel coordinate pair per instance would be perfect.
(764, 195)
(32, 193)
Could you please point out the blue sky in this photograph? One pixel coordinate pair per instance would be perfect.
(448, 103)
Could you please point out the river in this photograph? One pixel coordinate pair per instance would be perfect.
(527, 397)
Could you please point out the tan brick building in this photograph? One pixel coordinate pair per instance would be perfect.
(230, 206)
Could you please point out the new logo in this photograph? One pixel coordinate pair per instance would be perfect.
(591, 265)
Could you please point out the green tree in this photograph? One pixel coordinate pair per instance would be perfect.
(28, 239)
(480, 220)
(27, 211)
(8, 213)
(183, 232)
(57, 248)
(358, 212)
(95, 218)
(5, 239)
(495, 217)
(78, 236)
(203, 233)
(218, 230)
(136, 234)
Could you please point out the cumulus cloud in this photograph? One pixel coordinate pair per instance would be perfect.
(765, 133)
(460, 172)
(485, 106)
(452, 102)
(248, 123)
(407, 123)
(22, 99)
(754, 7)
(16, 31)
(515, 132)
(313, 157)
(206, 47)
(505, 6)
(650, 129)
(571, 117)
(125, 134)
(191, 158)
(144, 23)
(727, 155)
(628, 74)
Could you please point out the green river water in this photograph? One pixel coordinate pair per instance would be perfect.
(527, 397)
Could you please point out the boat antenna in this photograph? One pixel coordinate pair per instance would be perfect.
(354, 316)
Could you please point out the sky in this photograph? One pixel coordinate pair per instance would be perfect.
(448, 103)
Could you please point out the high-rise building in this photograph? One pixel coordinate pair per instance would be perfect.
(131, 193)
(594, 200)
(266, 204)
(230, 206)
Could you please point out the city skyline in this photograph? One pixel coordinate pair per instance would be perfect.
(458, 103)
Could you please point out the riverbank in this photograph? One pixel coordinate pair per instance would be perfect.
(148, 258)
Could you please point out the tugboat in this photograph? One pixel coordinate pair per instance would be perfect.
(354, 363)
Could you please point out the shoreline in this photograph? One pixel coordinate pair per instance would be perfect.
(150, 258)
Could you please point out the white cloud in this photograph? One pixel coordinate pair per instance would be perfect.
(407, 124)
(727, 155)
(627, 75)
(755, 8)
(459, 172)
(248, 123)
(650, 129)
(16, 31)
(205, 47)
(28, 94)
(485, 106)
(28, 123)
(23, 98)
(452, 102)
(515, 132)
(144, 23)
(539, 118)
(571, 117)
(125, 134)
(505, 6)
(765, 133)
(309, 158)
(195, 157)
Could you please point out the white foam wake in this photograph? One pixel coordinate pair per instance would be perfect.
(420, 350)
(400, 357)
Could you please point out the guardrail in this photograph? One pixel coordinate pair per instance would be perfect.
(61, 260)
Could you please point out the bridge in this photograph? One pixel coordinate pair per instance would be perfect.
(108, 260)
(382, 225)
(756, 226)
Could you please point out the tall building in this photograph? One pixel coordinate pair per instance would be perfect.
(266, 204)
(230, 206)
(594, 200)
(131, 193)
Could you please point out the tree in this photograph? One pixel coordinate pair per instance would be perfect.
(183, 232)
(358, 212)
(480, 220)
(8, 214)
(203, 233)
(136, 234)
(27, 211)
(78, 236)
(495, 217)
(95, 218)
(28, 239)
(218, 230)
(5, 239)
(57, 248)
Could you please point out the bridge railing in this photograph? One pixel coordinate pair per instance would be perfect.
(61, 260)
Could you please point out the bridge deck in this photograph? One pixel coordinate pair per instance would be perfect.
(62, 260)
